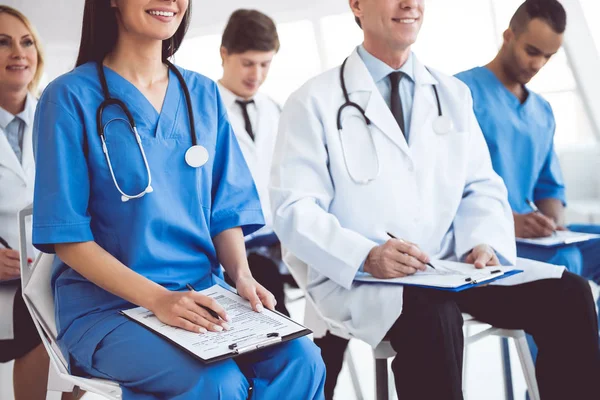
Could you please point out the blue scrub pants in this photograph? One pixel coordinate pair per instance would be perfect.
(580, 258)
(148, 367)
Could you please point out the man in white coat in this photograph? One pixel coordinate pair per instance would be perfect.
(248, 45)
(340, 182)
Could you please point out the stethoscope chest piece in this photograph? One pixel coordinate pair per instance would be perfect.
(442, 125)
(196, 156)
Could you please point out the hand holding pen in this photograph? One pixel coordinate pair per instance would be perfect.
(395, 258)
(190, 310)
(534, 224)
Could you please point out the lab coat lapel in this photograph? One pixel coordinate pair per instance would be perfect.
(28, 164)
(358, 79)
(424, 104)
(8, 158)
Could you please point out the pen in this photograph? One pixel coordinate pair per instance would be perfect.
(394, 237)
(211, 312)
(5, 244)
(532, 205)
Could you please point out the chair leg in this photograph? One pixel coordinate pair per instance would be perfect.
(465, 358)
(353, 374)
(382, 390)
(508, 384)
(527, 366)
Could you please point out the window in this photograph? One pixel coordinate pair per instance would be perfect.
(297, 61)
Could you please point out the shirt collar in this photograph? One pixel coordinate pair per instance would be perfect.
(229, 98)
(26, 115)
(380, 70)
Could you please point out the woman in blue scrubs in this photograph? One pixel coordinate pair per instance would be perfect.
(116, 249)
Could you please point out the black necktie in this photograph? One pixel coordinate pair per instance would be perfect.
(395, 101)
(244, 105)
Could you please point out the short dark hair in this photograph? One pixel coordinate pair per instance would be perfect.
(250, 30)
(100, 31)
(549, 11)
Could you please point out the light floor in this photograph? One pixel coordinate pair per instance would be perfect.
(484, 370)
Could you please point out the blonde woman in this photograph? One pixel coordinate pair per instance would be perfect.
(21, 64)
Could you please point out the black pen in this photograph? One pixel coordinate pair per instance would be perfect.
(5, 244)
(394, 237)
(210, 311)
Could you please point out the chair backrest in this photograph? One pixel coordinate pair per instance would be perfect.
(579, 166)
(38, 296)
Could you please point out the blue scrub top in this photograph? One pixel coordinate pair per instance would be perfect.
(520, 138)
(166, 235)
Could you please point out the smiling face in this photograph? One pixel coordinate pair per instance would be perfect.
(18, 54)
(525, 54)
(150, 19)
(396, 23)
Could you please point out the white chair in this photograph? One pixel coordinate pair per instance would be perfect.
(39, 299)
(384, 351)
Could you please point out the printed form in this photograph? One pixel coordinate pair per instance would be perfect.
(248, 328)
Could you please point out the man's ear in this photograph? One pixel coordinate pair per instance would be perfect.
(508, 35)
(355, 6)
(224, 54)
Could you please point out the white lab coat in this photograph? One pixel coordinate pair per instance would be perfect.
(258, 153)
(16, 193)
(440, 192)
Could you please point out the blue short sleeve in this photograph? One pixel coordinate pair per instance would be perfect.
(550, 183)
(62, 183)
(235, 200)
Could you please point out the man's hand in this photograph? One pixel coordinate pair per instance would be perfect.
(395, 259)
(482, 256)
(533, 225)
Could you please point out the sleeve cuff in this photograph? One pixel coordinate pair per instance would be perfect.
(249, 220)
(558, 194)
(45, 237)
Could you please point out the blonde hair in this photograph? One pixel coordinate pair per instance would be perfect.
(32, 87)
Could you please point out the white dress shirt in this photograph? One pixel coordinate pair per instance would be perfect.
(264, 118)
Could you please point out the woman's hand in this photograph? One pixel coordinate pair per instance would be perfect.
(184, 310)
(255, 293)
(9, 264)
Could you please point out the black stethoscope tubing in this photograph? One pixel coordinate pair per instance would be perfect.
(108, 101)
(349, 103)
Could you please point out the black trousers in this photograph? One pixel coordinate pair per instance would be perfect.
(26, 335)
(266, 272)
(428, 337)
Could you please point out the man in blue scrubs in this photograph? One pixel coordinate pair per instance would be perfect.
(519, 126)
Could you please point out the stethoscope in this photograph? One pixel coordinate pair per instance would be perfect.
(196, 156)
(441, 125)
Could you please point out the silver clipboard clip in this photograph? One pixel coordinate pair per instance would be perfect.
(256, 343)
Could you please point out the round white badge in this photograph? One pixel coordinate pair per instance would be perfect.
(443, 125)
(196, 156)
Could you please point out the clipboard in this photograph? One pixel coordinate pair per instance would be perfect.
(449, 276)
(559, 238)
(212, 347)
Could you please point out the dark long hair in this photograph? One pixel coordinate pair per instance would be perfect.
(100, 31)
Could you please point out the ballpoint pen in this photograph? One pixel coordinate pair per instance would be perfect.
(394, 237)
(210, 311)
